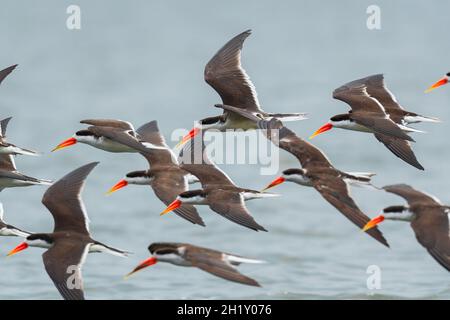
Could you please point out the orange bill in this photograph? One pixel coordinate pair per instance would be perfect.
(439, 83)
(188, 137)
(373, 223)
(17, 249)
(117, 186)
(65, 144)
(322, 129)
(274, 183)
(144, 264)
(175, 204)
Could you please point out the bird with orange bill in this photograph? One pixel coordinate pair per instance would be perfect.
(215, 262)
(374, 109)
(218, 191)
(439, 83)
(110, 135)
(165, 176)
(70, 242)
(427, 216)
(224, 73)
(318, 172)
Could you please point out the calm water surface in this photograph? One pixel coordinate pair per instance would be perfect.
(144, 60)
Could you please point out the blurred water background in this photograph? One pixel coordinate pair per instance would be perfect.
(144, 60)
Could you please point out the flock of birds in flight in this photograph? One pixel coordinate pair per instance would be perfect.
(374, 109)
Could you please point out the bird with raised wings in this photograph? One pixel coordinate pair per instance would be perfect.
(70, 242)
(225, 74)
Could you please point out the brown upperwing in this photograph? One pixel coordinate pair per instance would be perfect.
(335, 190)
(225, 74)
(63, 200)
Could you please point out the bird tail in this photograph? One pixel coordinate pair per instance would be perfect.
(289, 116)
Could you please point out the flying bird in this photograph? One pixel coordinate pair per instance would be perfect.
(375, 110)
(439, 83)
(218, 263)
(218, 191)
(5, 72)
(10, 177)
(427, 216)
(318, 172)
(9, 230)
(109, 135)
(70, 241)
(165, 176)
(224, 73)
(9, 148)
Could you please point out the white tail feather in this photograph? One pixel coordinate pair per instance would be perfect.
(233, 259)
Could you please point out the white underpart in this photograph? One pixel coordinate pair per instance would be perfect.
(16, 150)
(299, 179)
(433, 197)
(38, 243)
(350, 125)
(153, 146)
(358, 183)
(399, 216)
(409, 129)
(366, 175)
(2, 211)
(138, 180)
(104, 144)
(253, 195)
(96, 247)
(416, 119)
(173, 259)
(193, 200)
(13, 232)
(236, 260)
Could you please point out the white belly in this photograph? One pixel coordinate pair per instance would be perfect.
(11, 183)
(173, 259)
(350, 125)
(109, 145)
(301, 180)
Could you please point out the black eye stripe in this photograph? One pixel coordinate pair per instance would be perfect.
(136, 174)
(293, 171)
(84, 133)
(340, 117)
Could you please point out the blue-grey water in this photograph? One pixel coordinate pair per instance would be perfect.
(144, 60)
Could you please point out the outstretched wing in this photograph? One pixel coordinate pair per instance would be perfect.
(287, 140)
(213, 262)
(167, 186)
(336, 192)
(412, 195)
(400, 148)
(231, 205)
(63, 262)
(225, 74)
(4, 125)
(63, 200)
